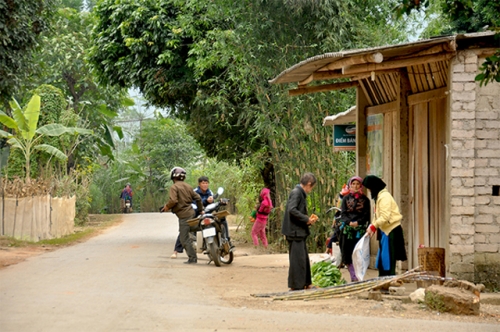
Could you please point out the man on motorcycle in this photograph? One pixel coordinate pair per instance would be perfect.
(126, 194)
(181, 196)
(208, 198)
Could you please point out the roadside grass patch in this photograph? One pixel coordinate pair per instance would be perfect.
(93, 227)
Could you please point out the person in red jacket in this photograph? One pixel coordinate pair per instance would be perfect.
(263, 210)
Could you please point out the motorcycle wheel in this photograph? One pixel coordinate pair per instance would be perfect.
(214, 253)
(228, 259)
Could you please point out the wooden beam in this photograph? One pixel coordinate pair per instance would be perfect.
(308, 80)
(383, 108)
(424, 97)
(360, 76)
(327, 75)
(354, 60)
(361, 140)
(322, 88)
(440, 48)
(395, 64)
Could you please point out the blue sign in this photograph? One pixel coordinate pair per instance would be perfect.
(344, 137)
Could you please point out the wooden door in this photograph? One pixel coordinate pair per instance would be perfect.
(427, 124)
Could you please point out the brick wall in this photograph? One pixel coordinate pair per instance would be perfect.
(475, 170)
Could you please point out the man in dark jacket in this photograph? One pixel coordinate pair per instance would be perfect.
(181, 196)
(295, 227)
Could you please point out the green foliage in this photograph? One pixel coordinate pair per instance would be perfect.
(74, 4)
(459, 16)
(21, 23)
(435, 301)
(160, 145)
(490, 70)
(209, 62)
(76, 183)
(241, 182)
(472, 16)
(61, 62)
(52, 104)
(326, 274)
(27, 135)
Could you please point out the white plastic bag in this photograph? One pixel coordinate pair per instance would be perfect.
(361, 257)
(336, 255)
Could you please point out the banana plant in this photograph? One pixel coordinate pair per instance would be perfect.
(26, 135)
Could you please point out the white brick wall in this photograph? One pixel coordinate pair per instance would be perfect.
(475, 168)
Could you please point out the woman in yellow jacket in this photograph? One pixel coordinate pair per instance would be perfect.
(388, 223)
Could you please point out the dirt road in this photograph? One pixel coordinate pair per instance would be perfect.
(124, 279)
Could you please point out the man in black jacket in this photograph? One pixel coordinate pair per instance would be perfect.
(295, 227)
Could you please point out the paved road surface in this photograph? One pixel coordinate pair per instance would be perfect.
(124, 280)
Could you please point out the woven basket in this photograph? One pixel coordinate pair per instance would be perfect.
(432, 260)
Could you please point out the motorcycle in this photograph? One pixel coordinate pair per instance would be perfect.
(126, 207)
(214, 241)
(335, 224)
(335, 254)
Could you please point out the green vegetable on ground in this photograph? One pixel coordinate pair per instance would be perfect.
(326, 274)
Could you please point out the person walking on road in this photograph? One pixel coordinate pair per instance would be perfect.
(181, 196)
(387, 224)
(262, 210)
(295, 227)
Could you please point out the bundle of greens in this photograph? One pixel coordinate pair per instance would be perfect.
(326, 274)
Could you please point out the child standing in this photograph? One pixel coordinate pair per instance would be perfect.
(263, 211)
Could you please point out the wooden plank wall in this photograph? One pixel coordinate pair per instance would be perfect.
(427, 174)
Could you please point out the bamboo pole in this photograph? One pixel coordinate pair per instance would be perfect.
(351, 289)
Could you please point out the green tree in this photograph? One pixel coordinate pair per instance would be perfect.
(161, 144)
(61, 63)
(210, 62)
(26, 134)
(21, 23)
(459, 16)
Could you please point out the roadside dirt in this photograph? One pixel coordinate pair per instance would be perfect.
(257, 271)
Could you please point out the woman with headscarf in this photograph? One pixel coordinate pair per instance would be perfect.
(387, 223)
(355, 218)
(263, 210)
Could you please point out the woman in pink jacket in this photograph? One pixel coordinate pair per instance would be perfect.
(263, 210)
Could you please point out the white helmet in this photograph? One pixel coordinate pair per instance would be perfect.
(178, 173)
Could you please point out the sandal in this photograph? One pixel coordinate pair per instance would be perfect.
(174, 255)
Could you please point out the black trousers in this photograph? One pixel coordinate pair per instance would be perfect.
(185, 238)
(299, 272)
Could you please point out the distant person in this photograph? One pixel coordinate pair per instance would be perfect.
(125, 195)
(295, 227)
(181, 196)
(354, 218)
(263, 209)
(387, 224)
